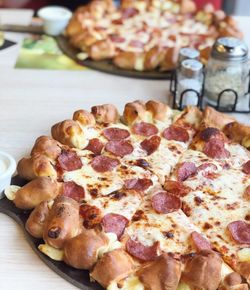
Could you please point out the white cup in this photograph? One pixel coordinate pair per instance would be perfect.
(55, 19)
(7, 169)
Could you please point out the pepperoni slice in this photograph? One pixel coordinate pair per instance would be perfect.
(207, 167)
(208, 170)
(114, 223)
(176, 188)
(176, 133)
(138, 184)
(151, 145)
(116, 38)
(145, 129)
(95, 146)
(139, 251)
(240, 232)
(209, 133)
(247, 193)
(200, 242)
(246, 167)
(142, 163)
(73, 190)
(119, 148)
(113, 134)
(136, 43)
(165, 202)
(185, 170)
(129, 12)
(117, 21)
(69, 161)
(104, 163)
(215, 148)
(91, 215)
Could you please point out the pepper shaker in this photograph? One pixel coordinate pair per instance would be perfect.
(226, 78)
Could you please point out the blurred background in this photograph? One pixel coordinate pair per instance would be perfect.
(236, 7)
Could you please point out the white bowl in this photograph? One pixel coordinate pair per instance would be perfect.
(7, 169)
(55, 19)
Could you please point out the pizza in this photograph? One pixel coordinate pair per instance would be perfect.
(145, 35)
(159, 198)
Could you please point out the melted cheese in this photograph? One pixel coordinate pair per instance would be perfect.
(112, 245)
(215, 202)
(155, 227)
(106, 182)
(51, 252)
(10, 191)
(126, 205)
(131, 283)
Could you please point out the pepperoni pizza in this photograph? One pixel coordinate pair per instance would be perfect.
(146, 35)
(158, 198)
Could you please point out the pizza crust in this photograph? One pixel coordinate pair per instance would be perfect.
(213, 118)
(238, 133)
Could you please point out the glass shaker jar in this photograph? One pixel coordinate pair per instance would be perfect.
(226, 78)
(189, 83)
(188, 53)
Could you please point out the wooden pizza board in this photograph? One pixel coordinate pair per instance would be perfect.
(108, 66)
(78, 278)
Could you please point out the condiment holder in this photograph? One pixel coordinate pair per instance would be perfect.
(225, 84)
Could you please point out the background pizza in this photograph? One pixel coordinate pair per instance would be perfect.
(146, 35)
(156, 197)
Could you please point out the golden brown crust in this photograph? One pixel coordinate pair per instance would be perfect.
(134, 111)
(84, 39)
(244, 269)
(36, 220)
(102, 49)
(233, 281)
(69, 133)
(213, 118)
(171, 58)
(36, 191)
(81, 252)
(117, 264)
(47, 146)
(74, 27)
(153, 58)
(125, 60)
(162, 274)
(35, 166)
(159, 111)
(239, 133)
(187, 6)
(190, 117)
(84, 118)
(62, 223)
(106, 114)
(203, 271)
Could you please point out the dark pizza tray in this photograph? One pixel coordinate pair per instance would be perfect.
(78, 278)
(108, 66)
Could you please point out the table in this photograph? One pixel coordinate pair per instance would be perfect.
(30, 102)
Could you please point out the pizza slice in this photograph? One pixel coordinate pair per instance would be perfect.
(215, 197)
(158, 136)
(166, 249)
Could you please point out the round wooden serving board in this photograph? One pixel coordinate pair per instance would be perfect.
(78, 278)
(108, 66)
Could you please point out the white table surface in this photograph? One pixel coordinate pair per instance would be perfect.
(30, 102)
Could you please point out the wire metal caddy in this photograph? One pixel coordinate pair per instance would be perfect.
(201, 97)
